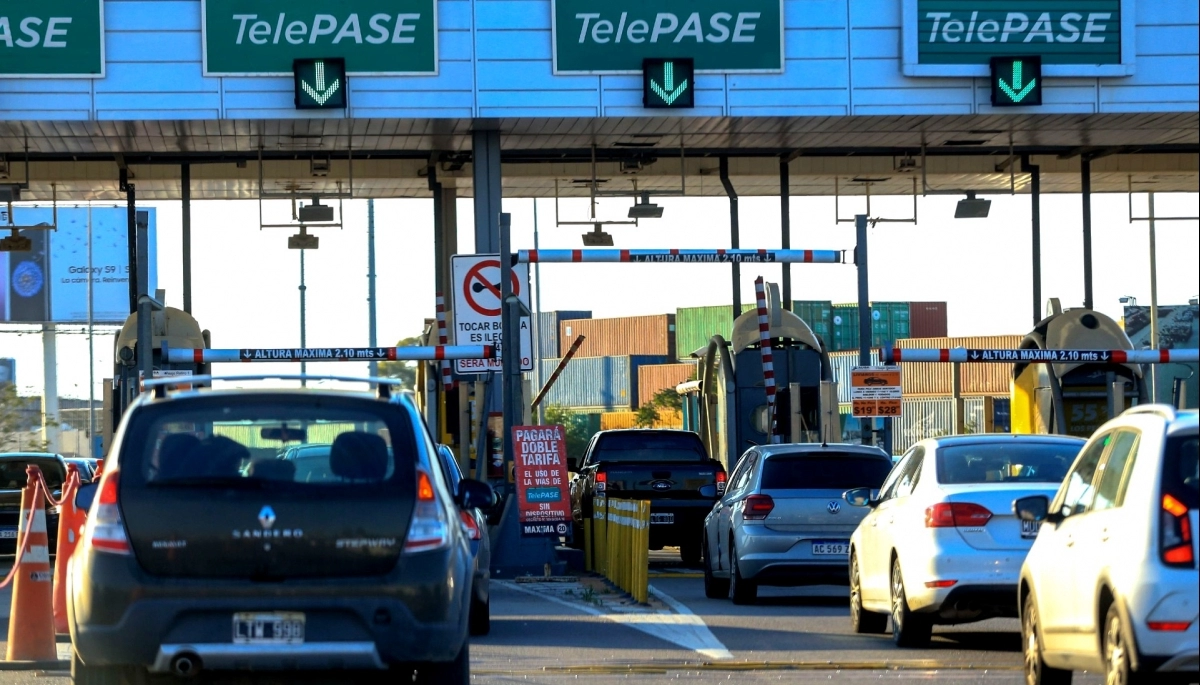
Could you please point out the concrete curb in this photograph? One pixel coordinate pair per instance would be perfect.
(55, 665)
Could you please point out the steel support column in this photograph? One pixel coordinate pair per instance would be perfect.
(785, 228)
(1085, 183)
(1035, 207)
(185, 189)
(486, 176)
(864, 312)
(735, 240)
(130, 234)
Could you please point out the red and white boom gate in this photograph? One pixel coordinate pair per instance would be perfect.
(964, 355)
(328, 354)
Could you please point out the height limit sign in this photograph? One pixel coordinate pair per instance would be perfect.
(477, 310)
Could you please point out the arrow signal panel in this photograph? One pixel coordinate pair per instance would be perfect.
(320, 83)
(668, 83)
(1016, 81)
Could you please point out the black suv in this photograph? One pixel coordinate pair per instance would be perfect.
(205, 549)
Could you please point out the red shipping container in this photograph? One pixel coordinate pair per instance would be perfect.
(927, 320)
(655, 377)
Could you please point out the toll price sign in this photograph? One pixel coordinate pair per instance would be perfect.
(540, 473)
(1016, 81)
(875, 391)
(668, 83)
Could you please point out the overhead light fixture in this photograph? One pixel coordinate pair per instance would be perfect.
(1128, 300)
(315, 213)
(906, 165)
(3, 167)
(972, 208)
(10, 192)
(303, 241)
(318, 167)
(645, 209)
(597, 238)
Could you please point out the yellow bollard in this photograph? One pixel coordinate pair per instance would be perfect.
(587, 545)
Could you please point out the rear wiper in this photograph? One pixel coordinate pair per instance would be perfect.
(224, 481)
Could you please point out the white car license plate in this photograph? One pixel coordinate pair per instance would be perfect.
(1029, 529)
(8, 533)
(662, 518)
(254, 628)
(831, 547)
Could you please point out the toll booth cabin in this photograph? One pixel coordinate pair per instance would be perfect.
(728, 407)
(1074, 398)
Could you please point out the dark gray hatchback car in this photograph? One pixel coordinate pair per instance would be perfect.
(205, 550)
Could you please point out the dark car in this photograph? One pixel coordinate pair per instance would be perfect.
(205, 549)
(475, 523)
(666, 467)
(13, 477)
(875, 380)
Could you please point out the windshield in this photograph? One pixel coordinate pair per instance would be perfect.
(1006, 462)
(1181, 473)
(13, 476)
(826, 472)
(662, 446)
(252, 443)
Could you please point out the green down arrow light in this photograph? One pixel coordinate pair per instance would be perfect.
(668, 83)
(320, 83)
(1016, 81)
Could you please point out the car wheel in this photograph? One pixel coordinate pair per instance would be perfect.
(457, 672)
(689, 551)
(741, 591)
(480, 620)
(908, 629)
(1036, 670)
(1118, 664)
(82, 674)
(861, 620)
(714, 587)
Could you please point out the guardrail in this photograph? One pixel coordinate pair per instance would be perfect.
(617, 544)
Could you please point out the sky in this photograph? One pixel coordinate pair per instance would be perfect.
(245, 279)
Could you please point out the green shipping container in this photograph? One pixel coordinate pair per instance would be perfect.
(889, 322)
(695, 326)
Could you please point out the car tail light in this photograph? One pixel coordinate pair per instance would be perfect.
(1176, 534)
(940, 583)
(1169, 626)
(721, 479)
(430, 528)
(957, 515)
(469, 525)
(756, 507)
(105, 530)
(601, 481)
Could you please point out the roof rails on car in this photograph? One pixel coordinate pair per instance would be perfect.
(1164, 410)
(161, 385)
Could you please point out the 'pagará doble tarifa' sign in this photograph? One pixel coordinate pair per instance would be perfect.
(602, 36)
(262, 37)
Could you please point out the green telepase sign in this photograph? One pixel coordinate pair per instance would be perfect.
(599, 37)
(56, 38)
(263, 37)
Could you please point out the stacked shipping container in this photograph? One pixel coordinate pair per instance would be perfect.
(597, 383)
(636, 335)
(653, 378)
(547, 332)
(695, 326)
(890, 321)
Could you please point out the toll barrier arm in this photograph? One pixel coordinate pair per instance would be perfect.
(1035, 356)
(683, 256)
(328, 354)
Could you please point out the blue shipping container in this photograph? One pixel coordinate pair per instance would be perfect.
(600, 383)
(547, 330)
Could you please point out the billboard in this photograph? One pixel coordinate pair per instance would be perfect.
(1178, 328)
(49, 284)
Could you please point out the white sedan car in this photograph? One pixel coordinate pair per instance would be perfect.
(941, 544)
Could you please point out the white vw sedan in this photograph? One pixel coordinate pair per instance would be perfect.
(941, 544)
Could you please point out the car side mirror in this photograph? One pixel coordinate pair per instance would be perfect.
(859, 497)
(573, 464)
(475, 494)
(85, 494)
(1035, 508)
(709, 490)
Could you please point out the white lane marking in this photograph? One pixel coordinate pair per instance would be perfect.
(682, 627)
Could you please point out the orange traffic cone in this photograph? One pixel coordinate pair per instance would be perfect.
(70, 526)
(31, 621)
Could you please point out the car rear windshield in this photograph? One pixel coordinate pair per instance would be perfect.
(649, 447)
(1181, 472)
(13, 475)
(826, 472)
(255, 442)
(1005, 462)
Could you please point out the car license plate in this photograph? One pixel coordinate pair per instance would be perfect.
(253, 628)
(662, 518)
(1029, 529)
(8, 533)
(832, 547)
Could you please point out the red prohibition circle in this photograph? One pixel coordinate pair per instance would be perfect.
(475, 273)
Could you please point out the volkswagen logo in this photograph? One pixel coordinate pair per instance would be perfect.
(834, 507)
(660, 485)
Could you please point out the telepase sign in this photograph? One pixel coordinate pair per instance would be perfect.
(726, 36)
(52, 38)
(374, 37)
(1072, 37)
